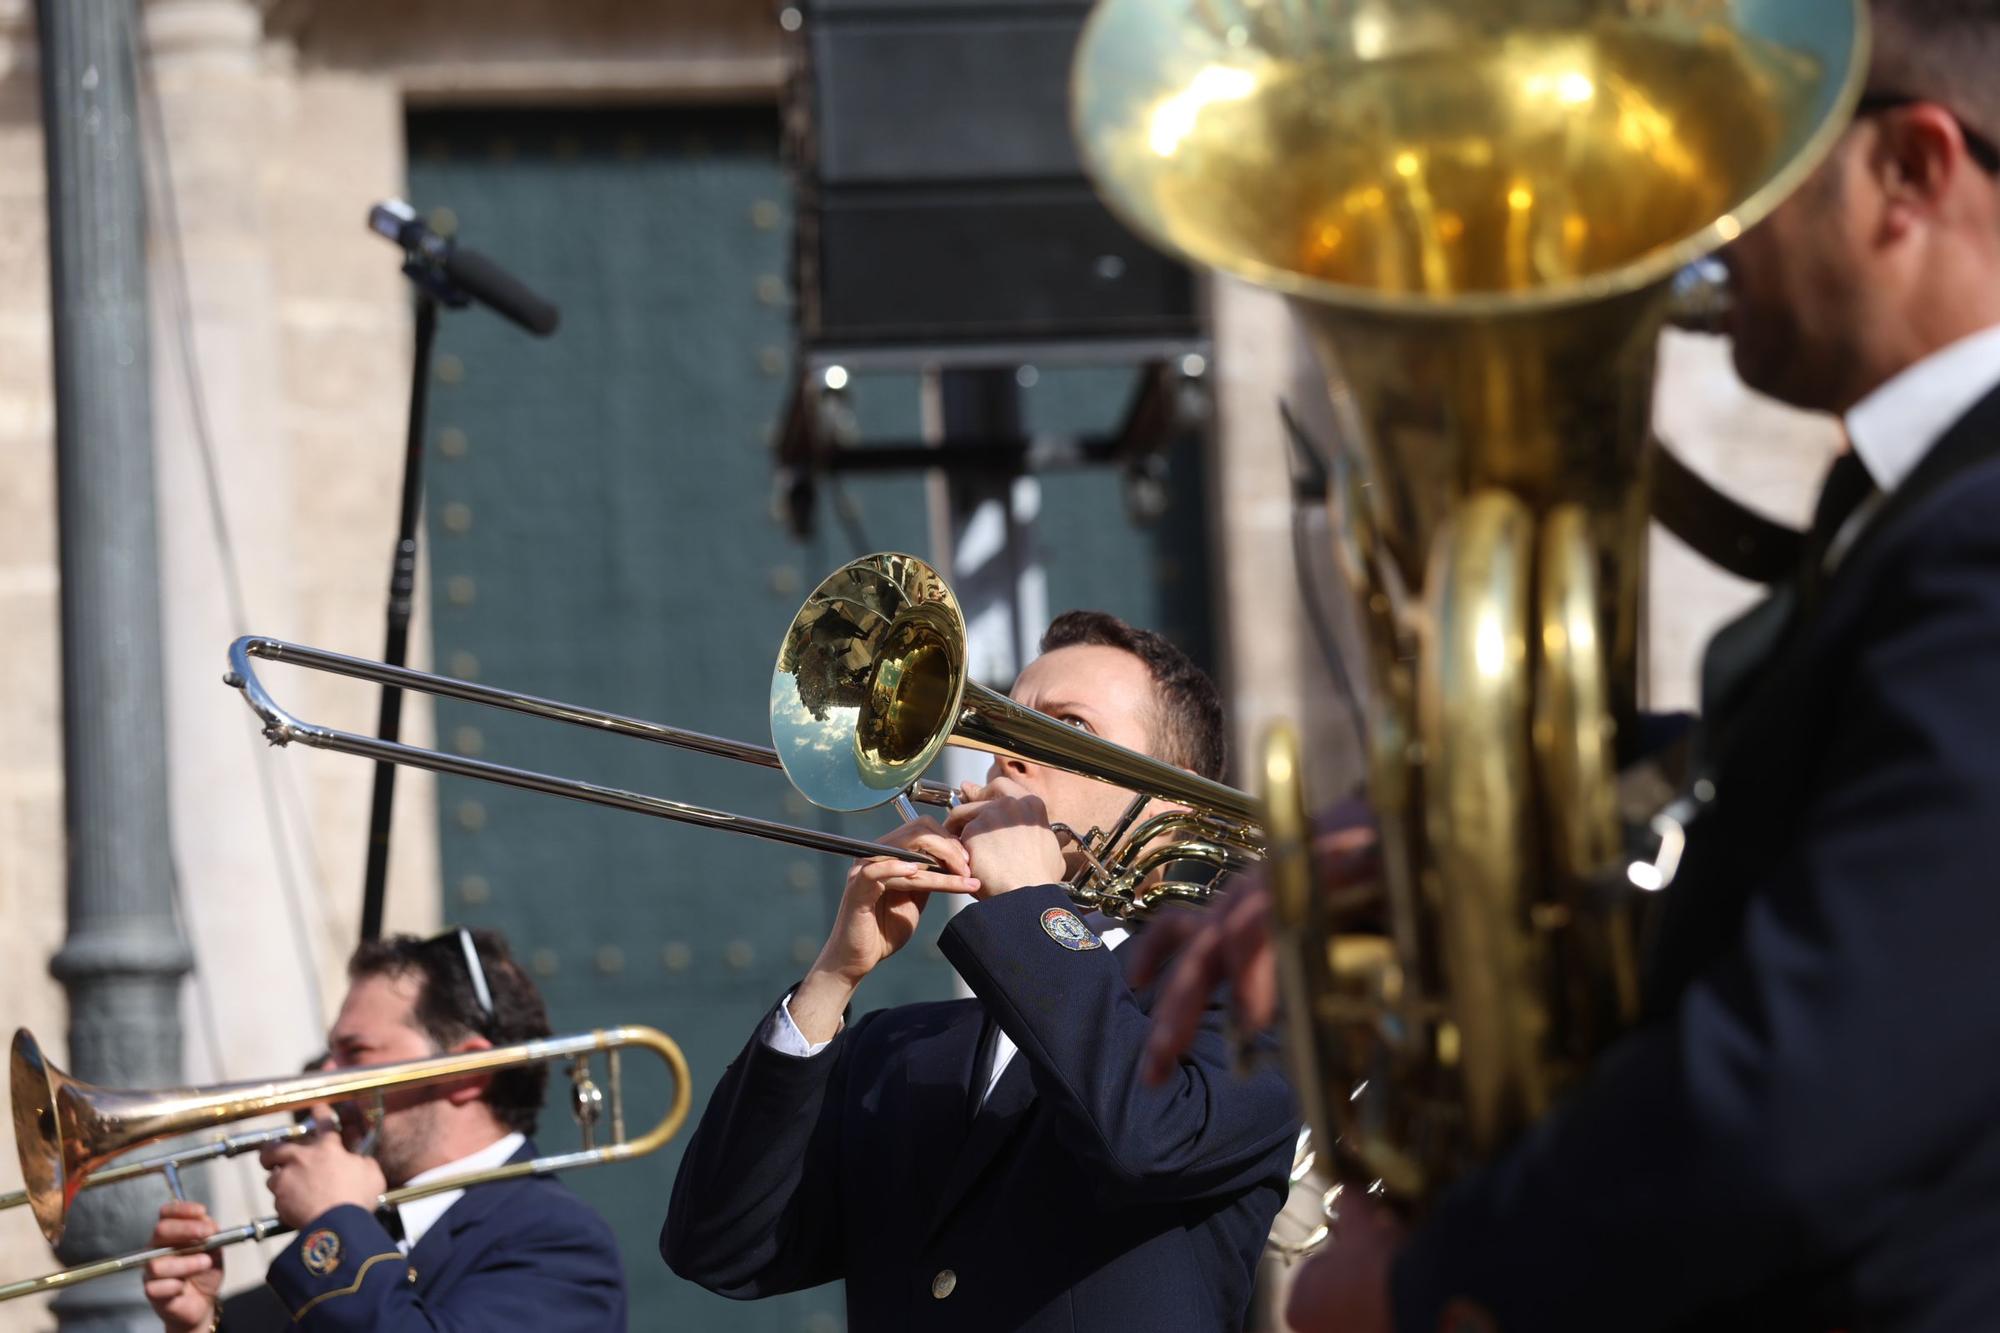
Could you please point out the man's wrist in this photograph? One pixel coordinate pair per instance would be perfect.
(832, 980)
(820, 1001)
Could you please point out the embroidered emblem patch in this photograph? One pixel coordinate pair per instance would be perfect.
(1067, 929)
(320, 1252)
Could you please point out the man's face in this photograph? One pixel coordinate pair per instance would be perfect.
(1805, 285)
(1104, 691)
(377, 1025)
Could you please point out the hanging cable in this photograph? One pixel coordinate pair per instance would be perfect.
(162, 198)
(1307, 473)
(1313, 596)
(248, 1204)
(847, 511)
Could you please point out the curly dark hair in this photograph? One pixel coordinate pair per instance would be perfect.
(1187, 723)
(448, 1009)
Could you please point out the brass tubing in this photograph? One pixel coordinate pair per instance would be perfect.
(233, 1101)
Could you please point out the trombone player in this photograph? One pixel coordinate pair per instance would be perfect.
(1805, 1134)
(518, 1254)
(994, 1163)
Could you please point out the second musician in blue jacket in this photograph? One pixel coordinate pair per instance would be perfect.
(996, 1163)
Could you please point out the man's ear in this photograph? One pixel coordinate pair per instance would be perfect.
(1919, 153)
(470, 1090)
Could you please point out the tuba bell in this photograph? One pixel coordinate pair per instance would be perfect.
(1477, 209)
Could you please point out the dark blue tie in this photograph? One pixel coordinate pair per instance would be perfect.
(1742, 647)
(1847, 486)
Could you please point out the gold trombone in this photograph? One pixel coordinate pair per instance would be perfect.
(870, 685)
(68, 1131)
(171, 1164)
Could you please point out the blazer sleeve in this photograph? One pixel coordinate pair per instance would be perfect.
(1208, 1132)
(1837, 1060)
(756, 1204)
(553, 1272)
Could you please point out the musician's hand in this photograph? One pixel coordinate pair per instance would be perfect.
(1344, 1286)
(183, 1289)
(1006, 832)
(312, 1175)
(878, 915)
(1231, 943)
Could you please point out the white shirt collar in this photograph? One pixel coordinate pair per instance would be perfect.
(1896, 425)
(420, 1215)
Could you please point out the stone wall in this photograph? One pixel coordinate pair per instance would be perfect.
(31, 818)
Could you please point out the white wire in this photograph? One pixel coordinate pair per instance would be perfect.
(271, 777)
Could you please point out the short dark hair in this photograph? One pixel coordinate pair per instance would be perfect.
(1945, 50)
(1187, 722)
(448, 1008)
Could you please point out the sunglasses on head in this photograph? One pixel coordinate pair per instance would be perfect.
(459, 941)
(1978, 147)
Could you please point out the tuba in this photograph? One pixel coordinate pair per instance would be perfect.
(1477, 209)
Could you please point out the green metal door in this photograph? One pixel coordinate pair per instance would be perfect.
(600, 531)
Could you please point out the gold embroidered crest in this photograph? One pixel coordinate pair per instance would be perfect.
(320, 1252)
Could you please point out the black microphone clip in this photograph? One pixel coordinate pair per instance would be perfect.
(455, 275)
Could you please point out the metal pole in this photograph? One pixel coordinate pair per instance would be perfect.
(402, 600)
(992, 559)
(123, 957)
(983, 544)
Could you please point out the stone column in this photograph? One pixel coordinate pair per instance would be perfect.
(123, 956)
(254, 910)
(31, 777)
(1273, 665)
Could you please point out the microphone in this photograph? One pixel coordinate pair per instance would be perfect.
(472, 274)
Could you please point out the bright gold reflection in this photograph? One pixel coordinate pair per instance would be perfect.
(1495, 167)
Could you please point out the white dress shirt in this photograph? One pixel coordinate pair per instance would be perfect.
(1896, 425)
(420, 1215)
(782, 1034)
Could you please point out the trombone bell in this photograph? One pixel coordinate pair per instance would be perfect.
(871, 684)
(868, 682)
(41, 1130)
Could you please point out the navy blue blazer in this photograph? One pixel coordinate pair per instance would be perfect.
(1807, 1135)
(522, 1254)
(1074, 1199)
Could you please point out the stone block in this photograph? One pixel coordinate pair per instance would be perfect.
(30, 686)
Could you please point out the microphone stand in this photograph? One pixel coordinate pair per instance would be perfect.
(402, 596)
(448, 276)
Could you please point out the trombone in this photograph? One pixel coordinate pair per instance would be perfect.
(171, 1164)
(870, 685)
(67, 1131)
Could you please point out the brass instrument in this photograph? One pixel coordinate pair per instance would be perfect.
(869, 687)
(171, 1164)
(281, 728)
(68, 1132)
(1477, 208)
